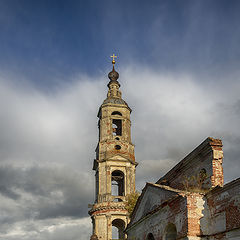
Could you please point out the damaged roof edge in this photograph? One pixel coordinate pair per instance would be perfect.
(207, 144)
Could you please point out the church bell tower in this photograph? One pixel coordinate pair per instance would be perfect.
(114, 165)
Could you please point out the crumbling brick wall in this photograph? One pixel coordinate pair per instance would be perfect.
(155, 222)
(221, 215)
(201, 169)
(207, 210)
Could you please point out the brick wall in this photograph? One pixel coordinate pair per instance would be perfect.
(187, 174)
(221, 215)
(173, 211)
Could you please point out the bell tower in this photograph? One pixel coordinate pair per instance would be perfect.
(114, 165)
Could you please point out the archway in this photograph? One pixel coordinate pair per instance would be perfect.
(117, 183)
(117, 127)
(116, 113)
(150, 236)
(170, 232)
(118, 226)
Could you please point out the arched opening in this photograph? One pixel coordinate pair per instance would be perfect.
(118, 226)
(170, 232)
(117, 127)
(116, 113)
(150, 236)
(117, 183)
(117, 200)
(117, 147)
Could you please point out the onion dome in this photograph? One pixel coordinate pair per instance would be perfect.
(114, 95)
(113, 75)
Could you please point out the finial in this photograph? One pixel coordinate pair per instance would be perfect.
(113, 61)
(113, 75)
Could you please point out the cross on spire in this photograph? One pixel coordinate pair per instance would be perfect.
(113, 57)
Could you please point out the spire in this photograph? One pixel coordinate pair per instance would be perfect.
(113, 84)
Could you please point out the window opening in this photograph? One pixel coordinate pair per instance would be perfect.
(118, 226)
(117, 147)
(117, 200)
(150, 236)
(171, 232)
(114, 232)
(116, 113)
(117, 127)
(117, 183)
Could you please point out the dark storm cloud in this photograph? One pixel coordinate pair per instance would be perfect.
(9, 180)
(49, 197)
(55, 192)
(45, 171)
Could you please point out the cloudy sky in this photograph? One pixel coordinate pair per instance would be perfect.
(179, 71)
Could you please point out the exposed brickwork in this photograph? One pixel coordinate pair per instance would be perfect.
(207, 212)
(224, 205)
(217, 177)
(194, 208)
(156, 220)
(186, 174)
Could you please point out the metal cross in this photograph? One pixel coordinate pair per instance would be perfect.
(113, 56)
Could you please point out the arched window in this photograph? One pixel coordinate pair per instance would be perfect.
(150, 236)
(170, 232)
(116, 113)
(117, 183)
(118, 226)
(117, 127)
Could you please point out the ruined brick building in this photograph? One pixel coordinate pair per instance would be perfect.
(190, 202)
(114, 165)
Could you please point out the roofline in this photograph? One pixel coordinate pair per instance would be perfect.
(217, 189)
(207, 145)
(117, 104)
(166, 188)
(158, 186)
(163, 204)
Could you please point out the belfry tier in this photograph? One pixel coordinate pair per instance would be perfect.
(114, 125)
